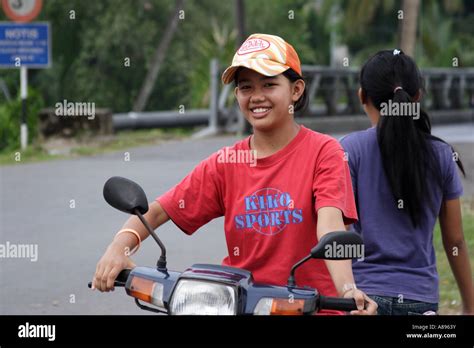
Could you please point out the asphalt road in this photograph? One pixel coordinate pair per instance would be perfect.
(36, 208)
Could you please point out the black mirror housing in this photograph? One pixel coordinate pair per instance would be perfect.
(125, 195)
(339, 245)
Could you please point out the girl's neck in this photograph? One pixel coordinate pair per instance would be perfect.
(372, 113)
(268, 143)
(374, 118)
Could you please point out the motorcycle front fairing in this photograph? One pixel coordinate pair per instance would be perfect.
(249, 294)
(143, 281)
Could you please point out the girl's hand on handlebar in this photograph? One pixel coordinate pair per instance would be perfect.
(109, 266)
(365, 305)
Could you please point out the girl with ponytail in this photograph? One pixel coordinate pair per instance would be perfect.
(404, 178)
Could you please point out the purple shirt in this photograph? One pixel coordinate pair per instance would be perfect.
(400, 259)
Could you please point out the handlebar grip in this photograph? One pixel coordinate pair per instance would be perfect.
(121, 279)
(337, 303)
(123, 276)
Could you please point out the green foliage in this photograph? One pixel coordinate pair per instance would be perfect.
(10, 120)
(442, 38)
(92, 41)
(450, 299)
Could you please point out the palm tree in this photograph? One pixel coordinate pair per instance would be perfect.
(408, 26)
(360, 14)
(158, 57)
(240, 21)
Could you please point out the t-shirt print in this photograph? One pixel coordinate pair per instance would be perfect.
(268, 211)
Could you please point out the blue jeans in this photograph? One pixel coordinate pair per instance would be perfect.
(392, 306)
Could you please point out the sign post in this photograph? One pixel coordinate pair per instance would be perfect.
(23, 46)
(24, 95)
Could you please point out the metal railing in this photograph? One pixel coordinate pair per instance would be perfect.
(331, 92)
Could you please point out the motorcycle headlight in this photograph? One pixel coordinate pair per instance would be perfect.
(195, 297)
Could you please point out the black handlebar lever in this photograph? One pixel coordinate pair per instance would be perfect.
(121, 279)
(337, 303)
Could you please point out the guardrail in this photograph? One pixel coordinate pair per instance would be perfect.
(332, 92)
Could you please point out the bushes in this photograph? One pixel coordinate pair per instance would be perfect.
(10, 120)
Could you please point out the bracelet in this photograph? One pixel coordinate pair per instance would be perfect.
(129, 230)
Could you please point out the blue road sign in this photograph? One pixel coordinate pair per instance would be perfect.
(25, 44)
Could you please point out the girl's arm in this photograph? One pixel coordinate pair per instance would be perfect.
(330, 220)
(116, 257)
(450, 220)
(155, 216)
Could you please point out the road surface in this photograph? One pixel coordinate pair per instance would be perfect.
(58, 206)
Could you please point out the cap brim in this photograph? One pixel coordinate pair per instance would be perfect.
(262, 66)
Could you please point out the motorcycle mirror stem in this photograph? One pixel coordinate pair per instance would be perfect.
(291, 278)
(127, 196)
(161, 263)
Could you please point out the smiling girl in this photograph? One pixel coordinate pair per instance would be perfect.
(276, 209)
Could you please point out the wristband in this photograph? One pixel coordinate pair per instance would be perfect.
(129, 230)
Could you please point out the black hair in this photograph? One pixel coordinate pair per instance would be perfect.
(404, 141)
(293, 76)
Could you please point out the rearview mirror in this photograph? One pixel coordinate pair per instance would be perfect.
(125, 195)
(339, 245)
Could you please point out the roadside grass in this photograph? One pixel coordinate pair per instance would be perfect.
(450, 299)
(85, 145)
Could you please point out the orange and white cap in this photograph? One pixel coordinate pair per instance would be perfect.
(268, 55)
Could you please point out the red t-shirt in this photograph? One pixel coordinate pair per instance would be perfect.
(269, 206)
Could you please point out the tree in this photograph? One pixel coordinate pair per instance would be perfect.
(240, 21)
(408, 26)
(158, 58)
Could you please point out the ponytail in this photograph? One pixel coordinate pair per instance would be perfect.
(404, 149)
(404, 139)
